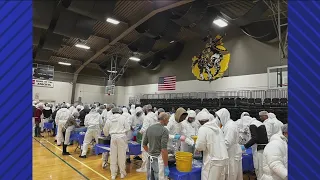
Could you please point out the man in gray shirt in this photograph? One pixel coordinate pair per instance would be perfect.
(157, 137)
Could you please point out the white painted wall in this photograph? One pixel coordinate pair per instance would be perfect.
(61, 92)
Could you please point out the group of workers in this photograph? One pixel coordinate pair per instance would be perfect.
(221, 140)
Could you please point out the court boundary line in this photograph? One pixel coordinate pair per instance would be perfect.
(78, 160)
(62, 159)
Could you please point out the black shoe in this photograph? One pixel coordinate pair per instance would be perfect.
(53, 135)
(55, 140)
(137, 158)
(66, 153)
(128, 160)
(83, 156)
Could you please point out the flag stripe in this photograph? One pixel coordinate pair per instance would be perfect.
(167, 83)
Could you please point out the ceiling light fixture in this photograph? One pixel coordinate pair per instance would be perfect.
(112, 71)
(113, 21)
(220, 22)
(172, 42)
(134, 58)
(82, 46)
(64, 63)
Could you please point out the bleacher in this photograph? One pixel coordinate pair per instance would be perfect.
(253, 102)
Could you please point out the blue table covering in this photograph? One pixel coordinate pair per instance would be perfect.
(134, 149)
(177, 175)
(76, 135)
(247, 165)
(48, 125)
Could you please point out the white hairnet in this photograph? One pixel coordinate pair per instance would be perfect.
(40, 105)
(202, 116)
(139, 109)
(79, 107)
(133, 106)
(271, 115)
(197, 111)
(284, 128)
(34, 103)
(244, 114)
(102, 107)
(124, 110)
(75, 114)
(192, 114)
(64, 106)
(160, 110)
(224, 115)
(263, 113)
(86, 106)
(110, 106)
(68, 105)
(148, 107)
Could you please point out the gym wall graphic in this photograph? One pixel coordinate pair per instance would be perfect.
(213, 61)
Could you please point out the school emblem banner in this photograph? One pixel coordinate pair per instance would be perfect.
(213, 61)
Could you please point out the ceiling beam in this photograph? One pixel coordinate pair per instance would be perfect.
(131, 28)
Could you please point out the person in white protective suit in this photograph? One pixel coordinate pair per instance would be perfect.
(71, 109)
(61, 118)
(129, 133)
(155, 144)
(150, 119)
(269, 123)
(211, 142)
(93, 121)
(175, 129)
(133, 109)
(231, 139)
(189, 129)
(277, 124)
(258, 141)
(243, 127)
(241, 116)
(275, 156)
(135, 122)
(117, 126)
(77, 109)
(107, 112)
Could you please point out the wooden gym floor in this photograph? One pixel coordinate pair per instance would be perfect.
(48, 163)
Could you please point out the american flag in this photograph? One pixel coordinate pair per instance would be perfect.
(167, 83)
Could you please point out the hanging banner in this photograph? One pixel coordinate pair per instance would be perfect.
(40, 71)
(42, 83)
(213, 61)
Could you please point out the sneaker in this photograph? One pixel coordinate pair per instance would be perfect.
(66, 153)
(141, 170)
(104, 164)
(113, 177)
(128, 160)
(83, 156)
(122, 176)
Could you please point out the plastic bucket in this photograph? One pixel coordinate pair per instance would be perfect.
(184, 161)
